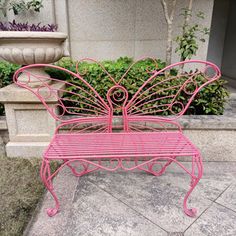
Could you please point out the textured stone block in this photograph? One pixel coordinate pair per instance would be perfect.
(149, 18)
(217, 145)
(8, 94)
(102, 49)
(29, 122)
(150, 48)
(25, 149)
(111, 21)
(30, 125)
(217, 220)
(102, 20)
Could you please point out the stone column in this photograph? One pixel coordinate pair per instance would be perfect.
(30, 126)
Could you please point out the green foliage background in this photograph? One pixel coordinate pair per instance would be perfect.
(6, 73)
(210, 100)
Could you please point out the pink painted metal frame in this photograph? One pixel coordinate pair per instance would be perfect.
(92, 143)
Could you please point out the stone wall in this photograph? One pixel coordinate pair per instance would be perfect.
(108, 29)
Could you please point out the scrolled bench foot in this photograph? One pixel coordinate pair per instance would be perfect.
(52, 211)
(192, 212)
(196, 163)
(46, 177)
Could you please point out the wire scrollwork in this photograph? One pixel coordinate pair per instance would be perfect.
(168, 91)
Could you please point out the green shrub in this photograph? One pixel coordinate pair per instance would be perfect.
(6, 72)
(210, 100)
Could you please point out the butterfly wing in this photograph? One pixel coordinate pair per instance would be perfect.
(74, 99)
(170, 91)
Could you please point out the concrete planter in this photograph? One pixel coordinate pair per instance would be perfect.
(25, 48)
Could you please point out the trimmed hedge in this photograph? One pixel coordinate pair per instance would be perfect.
(211, 99)
(6, 73)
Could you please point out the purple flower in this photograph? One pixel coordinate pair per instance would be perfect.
(14, 26)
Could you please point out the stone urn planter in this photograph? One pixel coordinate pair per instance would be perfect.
(27, 47)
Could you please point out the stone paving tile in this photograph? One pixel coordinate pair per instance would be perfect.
(176, 234)
(43, 225)
(107, 199)
(228, 198)
(216, 221)
(159, 199)
(212, 185)
(97, 213)
(216, 178)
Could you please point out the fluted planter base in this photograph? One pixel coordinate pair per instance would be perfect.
(26, 48)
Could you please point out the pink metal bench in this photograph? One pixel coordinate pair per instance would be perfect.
(120, 130)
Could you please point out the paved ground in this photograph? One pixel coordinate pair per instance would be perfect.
(137, 203)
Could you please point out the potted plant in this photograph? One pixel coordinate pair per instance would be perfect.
(25, 44)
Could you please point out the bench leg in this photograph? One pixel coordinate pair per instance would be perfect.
(46, 177)
(195, 179)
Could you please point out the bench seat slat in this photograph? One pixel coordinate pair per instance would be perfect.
(112, 145)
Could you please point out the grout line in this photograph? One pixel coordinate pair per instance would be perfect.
(225, 207)
(128, 206)
(213, 201)
(75, 188)
(68, 27)
(222, 192)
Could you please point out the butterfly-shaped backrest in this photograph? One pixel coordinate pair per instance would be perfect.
(168, 91)
(68, 101)
(171, 90)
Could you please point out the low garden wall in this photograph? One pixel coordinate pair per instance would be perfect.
(215, 136)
